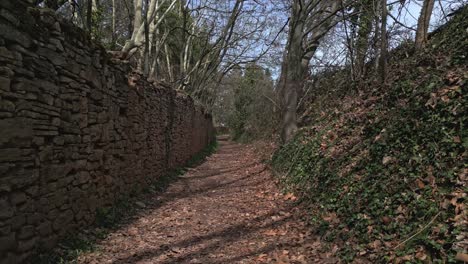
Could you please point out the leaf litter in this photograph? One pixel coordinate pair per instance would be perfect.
(227, 210)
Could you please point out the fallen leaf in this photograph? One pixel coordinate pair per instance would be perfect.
(387, 160)
(432, 102)
(462, 257)
(270, 233)
(421, 255)
(420, 184)
(290, 196)
(386, 220)
(140, 204)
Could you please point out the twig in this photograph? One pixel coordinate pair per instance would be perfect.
(417, 233)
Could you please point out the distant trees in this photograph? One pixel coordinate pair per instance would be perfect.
(194, 44)
(369, 29)
(247, 104)
(190, 44)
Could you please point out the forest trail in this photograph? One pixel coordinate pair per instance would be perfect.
(227, 210)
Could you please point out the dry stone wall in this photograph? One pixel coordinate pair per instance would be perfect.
(76, 130)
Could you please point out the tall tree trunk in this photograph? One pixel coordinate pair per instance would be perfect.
(183, 15)
(138, 35)
(308, 24)
(423, 24)
(364, 29)
(383, 43)
(146, 50)
(168, 62)
(89, 15)
(114, 29)
(292, 74)
(137, 21)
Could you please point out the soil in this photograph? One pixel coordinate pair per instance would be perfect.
(227, 210)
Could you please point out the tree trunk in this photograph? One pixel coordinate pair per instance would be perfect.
(138, 35)
(309, 23)
(364, 29)
(292, 74)
(114, 31)
(383, 43)
(423, 24)
(146, 50)
(89, 15)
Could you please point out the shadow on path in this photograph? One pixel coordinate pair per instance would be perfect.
(226, 210)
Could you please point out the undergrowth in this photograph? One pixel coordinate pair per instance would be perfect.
(384, 172)
(111, 218)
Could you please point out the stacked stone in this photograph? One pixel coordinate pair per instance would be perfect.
(75, 134)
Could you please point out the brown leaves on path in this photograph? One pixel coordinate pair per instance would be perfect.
(227, 210)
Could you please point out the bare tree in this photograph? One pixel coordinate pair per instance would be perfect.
(309, 21)
(423, 23)
(138, 34)
(362, 41)
(383, 42)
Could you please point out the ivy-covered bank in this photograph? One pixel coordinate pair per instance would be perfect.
(384, 172)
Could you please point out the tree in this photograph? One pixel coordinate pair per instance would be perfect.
(366, 12)
(383, 42)
(153, 15)
(423, 24)
(309, 22)
(246, 103)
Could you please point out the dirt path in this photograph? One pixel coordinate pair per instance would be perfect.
(227, 210)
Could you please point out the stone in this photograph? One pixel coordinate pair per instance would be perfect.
(46, 133)
(20, 71)
(5, 230)
(23, 51)
(6, 55)
(34, 218)
(32, 191)
(12, 34)
(46, 98)
(10, 155)
(4, 115)
(54, 57)
(7, 242)
(9, 16)
(45, 228)
(26, 232)
(18, 198)
(26, 245)
(73, 68)
(72, 139)
(96, 95)
(5, 84)
(15, 128)
(52, 173)
(102, 117)
(38, 141)
(59, 140)
(49, 242)
(22, 84)
(57, 43)
(63, 220)
(56, 27)
(6, 105)
(6, 72)
(18, 221)
(9, 257)
(82, 178)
